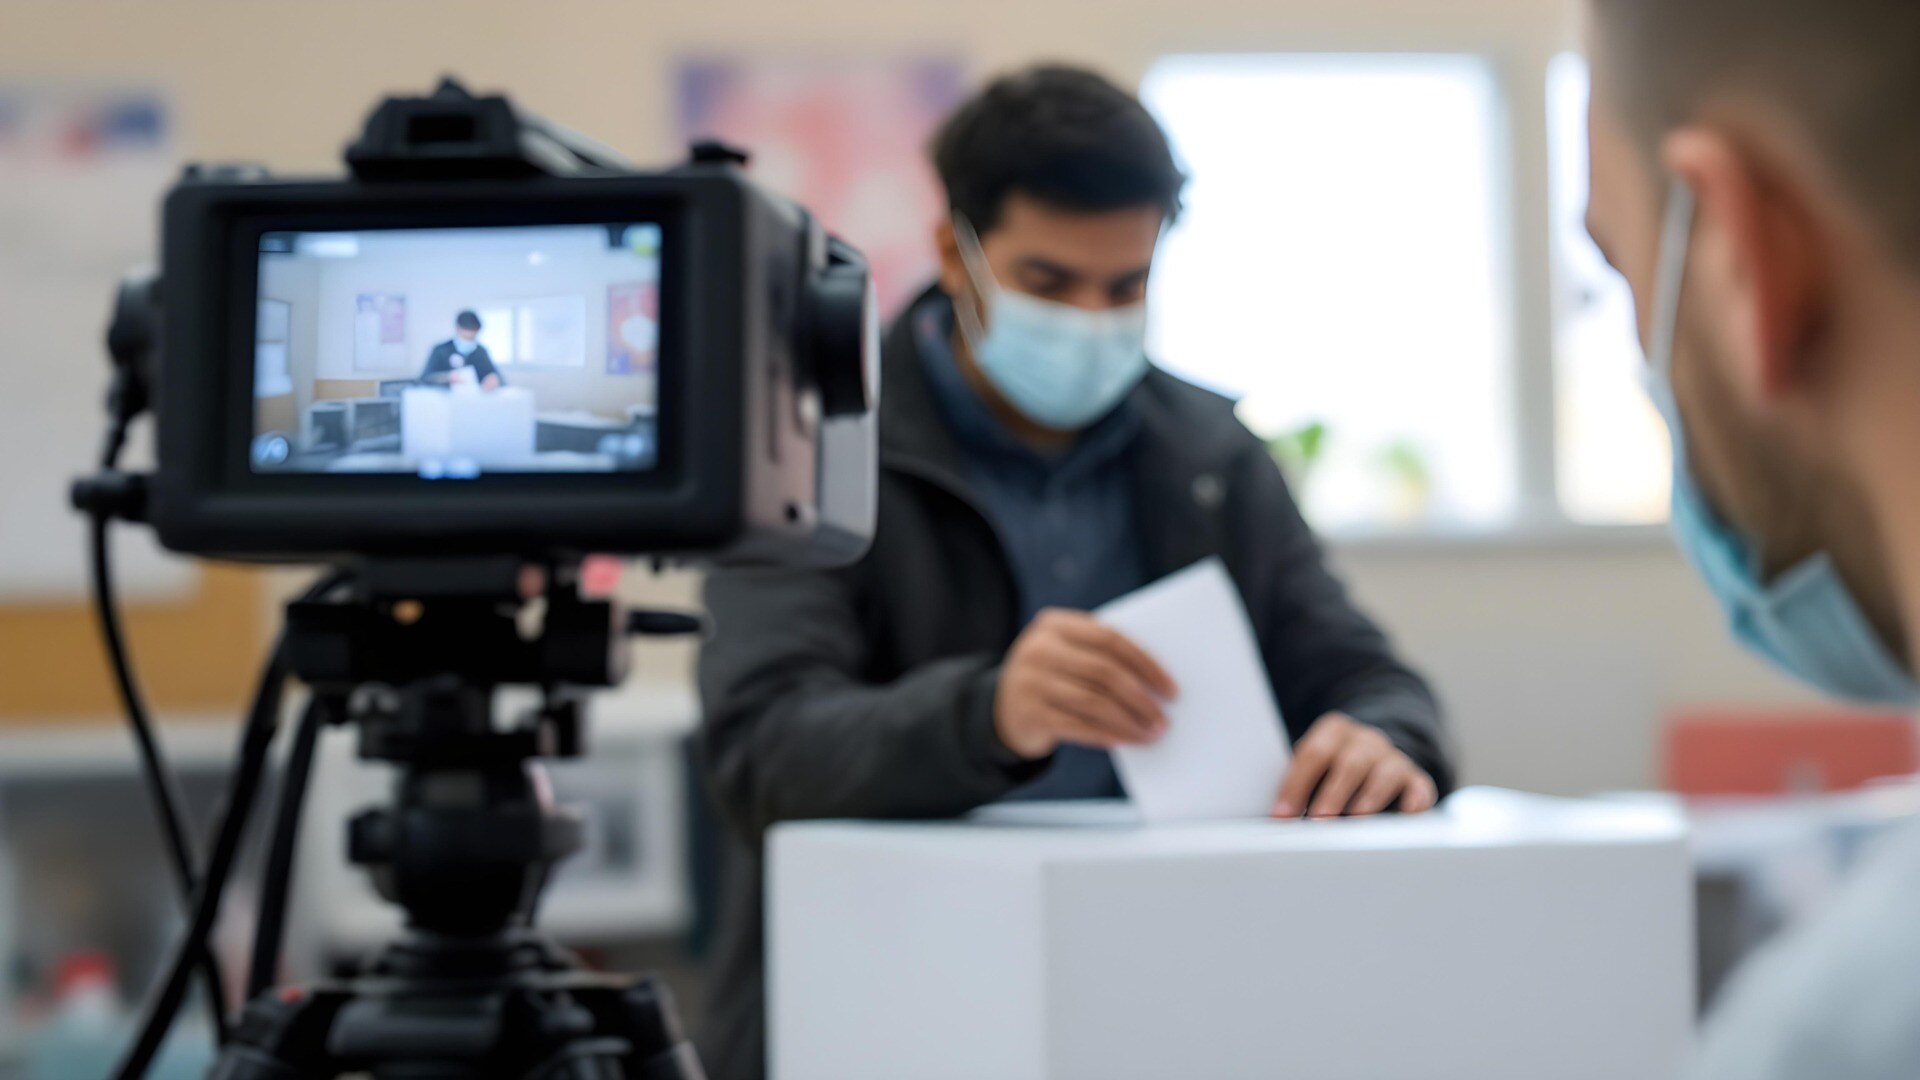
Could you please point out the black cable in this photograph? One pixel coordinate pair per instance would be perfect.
(256, 739)
(162, 786)
(270, 927)
(115, 441)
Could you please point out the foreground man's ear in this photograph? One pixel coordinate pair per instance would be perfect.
(1757, 273)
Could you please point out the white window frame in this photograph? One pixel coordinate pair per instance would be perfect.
(512, 311)
(1520, 78)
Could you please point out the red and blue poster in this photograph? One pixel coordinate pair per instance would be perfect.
(633, 328)
(846, 137)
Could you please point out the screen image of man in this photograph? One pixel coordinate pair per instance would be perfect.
(1034, 465)
(1756, 178)
(462, 359)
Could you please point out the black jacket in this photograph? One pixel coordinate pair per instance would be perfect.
(440, 362)
(868, 692)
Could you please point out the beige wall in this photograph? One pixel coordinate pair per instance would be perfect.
(1556, 659)
(278, 413)
(287, 83)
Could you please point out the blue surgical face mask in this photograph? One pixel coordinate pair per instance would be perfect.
(1063, 367)
(465, 346)
(1805, 621)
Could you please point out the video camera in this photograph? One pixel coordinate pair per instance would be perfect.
(493, 349)
(683, 362)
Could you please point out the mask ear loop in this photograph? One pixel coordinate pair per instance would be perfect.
(1676, 239)
(974, 258)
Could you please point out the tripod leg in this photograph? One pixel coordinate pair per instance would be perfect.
(586, 1059)
(282, 1035)
(642, 1015)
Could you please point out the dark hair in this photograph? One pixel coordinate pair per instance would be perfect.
(1845, 70)
(1063, 135)
(467, 320)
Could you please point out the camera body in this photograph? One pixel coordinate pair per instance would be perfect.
(679, 363)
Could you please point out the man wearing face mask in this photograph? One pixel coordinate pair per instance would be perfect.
(461, 358)
(1756, 177)
(1034, 465)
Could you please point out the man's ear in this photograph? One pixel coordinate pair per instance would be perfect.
(1757, 269)
(953, 272)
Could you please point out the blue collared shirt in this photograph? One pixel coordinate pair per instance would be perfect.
(1067, 522)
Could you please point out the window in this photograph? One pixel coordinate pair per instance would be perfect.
(1343, 269)
(1612, 457)
(272, 374)
(496, 333)
(1340, 268)
(544, 332)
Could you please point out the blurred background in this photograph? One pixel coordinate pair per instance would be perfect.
(1382, 258)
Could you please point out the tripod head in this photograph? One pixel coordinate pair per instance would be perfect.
(412, 659)
(412, 656)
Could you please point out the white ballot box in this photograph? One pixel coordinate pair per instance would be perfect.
(490, 428)
(1503, 936)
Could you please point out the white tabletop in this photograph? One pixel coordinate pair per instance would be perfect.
(1471, 818)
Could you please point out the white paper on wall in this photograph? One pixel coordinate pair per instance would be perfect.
(82, 169)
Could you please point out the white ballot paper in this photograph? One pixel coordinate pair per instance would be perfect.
(1225, 749)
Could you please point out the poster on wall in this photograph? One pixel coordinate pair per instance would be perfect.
(633, 328)
(82, 170)
(379, 332)
(846, 137)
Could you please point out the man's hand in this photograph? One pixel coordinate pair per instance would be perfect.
(1070, 679)
(1356, 772)
(491, 382)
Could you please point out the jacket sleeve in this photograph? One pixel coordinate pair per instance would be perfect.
(436, 361)
(1322, 653)
(794, 729)
(484, 366)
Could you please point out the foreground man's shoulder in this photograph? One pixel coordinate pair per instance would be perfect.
(1837, 998)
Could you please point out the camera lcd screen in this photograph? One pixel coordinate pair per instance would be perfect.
(450, 354)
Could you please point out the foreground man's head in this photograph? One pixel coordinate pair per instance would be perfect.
(1772, 144)
(1754, 177)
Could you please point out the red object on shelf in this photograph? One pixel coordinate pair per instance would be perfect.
(1778, 752)
(600, 576)
(80, 970)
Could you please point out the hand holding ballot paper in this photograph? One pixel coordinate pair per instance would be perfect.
(1224, 749)
(1170, 679)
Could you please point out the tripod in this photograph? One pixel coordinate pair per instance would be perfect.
(470, 990)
